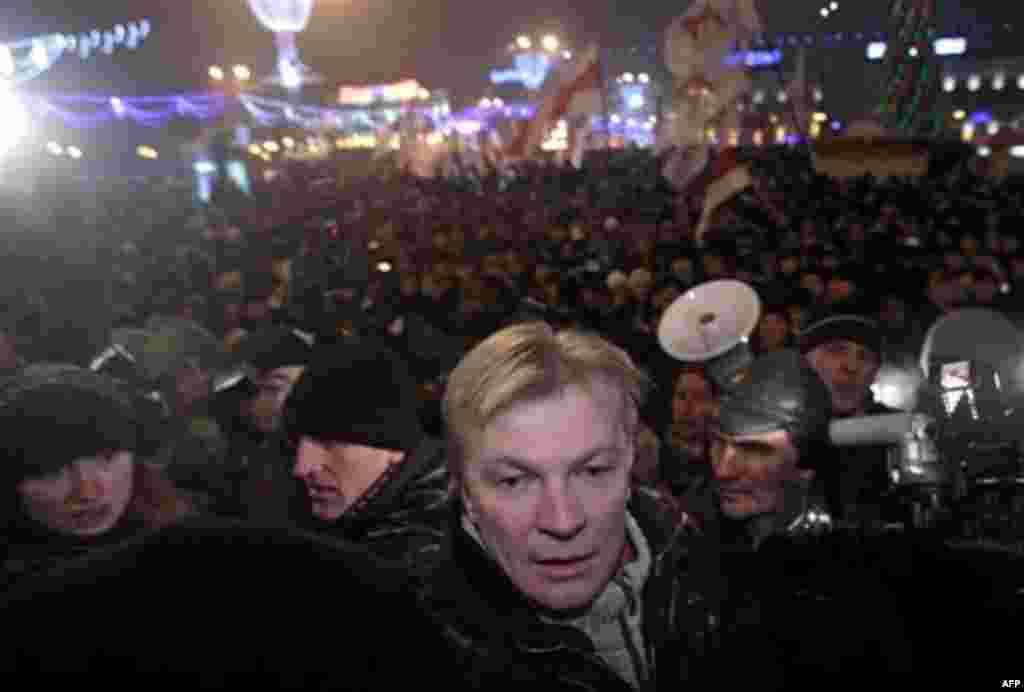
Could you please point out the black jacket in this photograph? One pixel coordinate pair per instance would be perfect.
(499, 638)
(403, 520)
(211, 598)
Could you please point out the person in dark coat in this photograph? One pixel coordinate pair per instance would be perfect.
(558, 572)
(250, 411)
(371, 474)
(68, 470)
(845, 348)
(210, 598)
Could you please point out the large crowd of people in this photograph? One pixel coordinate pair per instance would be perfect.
(458, 381)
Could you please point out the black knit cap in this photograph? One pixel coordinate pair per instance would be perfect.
(53, 414)
(359, 392)
(849, 321)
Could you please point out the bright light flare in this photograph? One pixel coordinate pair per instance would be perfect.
(524, 43)
(216, 73)
(40, 56)
(242, 73)
(74, 152)
(550, 43)
(147, 152)
(6, 61)
(14, 120)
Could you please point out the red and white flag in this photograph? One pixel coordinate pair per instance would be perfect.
(578, 94)
(727, 179)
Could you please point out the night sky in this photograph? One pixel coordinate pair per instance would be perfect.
(442, 43)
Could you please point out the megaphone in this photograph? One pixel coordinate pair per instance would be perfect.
(711, 324)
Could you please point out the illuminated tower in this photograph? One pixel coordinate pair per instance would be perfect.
(285, 18)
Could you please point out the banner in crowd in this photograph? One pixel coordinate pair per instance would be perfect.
(885, 157)
(708, 87)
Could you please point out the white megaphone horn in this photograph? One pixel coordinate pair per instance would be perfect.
(711, 324)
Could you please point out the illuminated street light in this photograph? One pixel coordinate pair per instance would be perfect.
(54, 148)
(216, 73)
(567, 55)
(959, 115)
(913, 52)
(644, 78)
(271, 146)
(550, 43)
(524, 42)
(255, 150)
(628, 78)
(497, 103)
(288, 142)
(6, 62)
(424, 94)
(834, 6)
(40, 57)
(824, 12)
(147, 152)
(485, 103)
(242, 73)
(74, 152)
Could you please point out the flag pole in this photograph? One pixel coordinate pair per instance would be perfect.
(602, 61)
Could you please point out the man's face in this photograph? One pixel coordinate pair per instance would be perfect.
(272, 389)
(714, 267)
(839, 290)
(814, 284)
(682, 268)
(849, 370)
(337, 474)
(192, 385)
(8, 353)
(693, 408)
(756, 474)
(772, 332)
(84, 498)
(546, 485)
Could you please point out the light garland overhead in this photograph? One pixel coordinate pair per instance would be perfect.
(83, 111)
(26, 59)
(271, 112)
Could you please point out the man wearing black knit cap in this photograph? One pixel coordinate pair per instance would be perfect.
(250, 409)
(371, 473)
(845, 347)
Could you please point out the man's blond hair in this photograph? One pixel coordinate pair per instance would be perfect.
(527, 362)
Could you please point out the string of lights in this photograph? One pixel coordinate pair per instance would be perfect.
(85, 111)
(26, 59)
